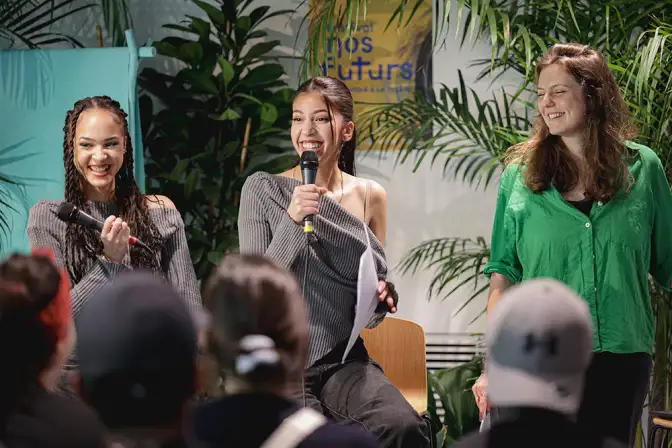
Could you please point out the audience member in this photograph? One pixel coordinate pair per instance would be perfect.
(539, 347)
(37, 335)
(259, 335)
(137, 351)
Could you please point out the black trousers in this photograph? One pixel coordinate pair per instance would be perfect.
(614, 395)
(358, 393)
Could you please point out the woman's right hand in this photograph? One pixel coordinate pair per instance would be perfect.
(115, 235)
(480, 391)
(304, 201)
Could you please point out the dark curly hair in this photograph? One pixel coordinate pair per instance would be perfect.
(607, 125)
(83, 245)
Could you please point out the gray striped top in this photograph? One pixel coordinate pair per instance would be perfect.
(329, 280)
(46, 230)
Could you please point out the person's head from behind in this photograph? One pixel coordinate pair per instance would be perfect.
(259, 330)
(539, 342)
(137, 352)
(37, 334)
(322, 121)
(578, 100)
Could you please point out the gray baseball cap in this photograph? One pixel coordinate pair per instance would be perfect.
(539, 347)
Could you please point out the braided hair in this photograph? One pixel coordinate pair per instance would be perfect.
(83, 245)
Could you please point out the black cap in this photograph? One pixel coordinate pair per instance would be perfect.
(137, 336)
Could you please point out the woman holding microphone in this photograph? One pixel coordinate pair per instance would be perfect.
(98, 162)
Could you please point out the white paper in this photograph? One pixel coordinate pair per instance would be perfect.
(367, 293)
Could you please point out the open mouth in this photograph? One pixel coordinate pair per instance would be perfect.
(555, 115)
(99, 170)
(311, 145)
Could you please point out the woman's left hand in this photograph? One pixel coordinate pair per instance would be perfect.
(384, 296)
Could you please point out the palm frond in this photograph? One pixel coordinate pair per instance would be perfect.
(29, 23)
(469, 135)
(455, 262)
(117, 19)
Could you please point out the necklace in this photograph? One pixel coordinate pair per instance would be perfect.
(342, 190)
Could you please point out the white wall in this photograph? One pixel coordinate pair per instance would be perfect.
(421, 205)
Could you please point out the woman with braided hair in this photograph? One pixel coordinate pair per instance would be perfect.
(98, 161)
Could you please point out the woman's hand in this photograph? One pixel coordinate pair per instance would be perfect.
(480, 391)
(304, 201)
(385, 295)
(115, 235)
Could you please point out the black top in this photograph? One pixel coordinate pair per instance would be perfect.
(247, 420)
(536, 428)
(44, 420)
(584, 205)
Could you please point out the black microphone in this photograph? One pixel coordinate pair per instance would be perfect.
(308, 175)
(69, 213)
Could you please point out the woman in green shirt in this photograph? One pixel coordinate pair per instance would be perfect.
(581, 203)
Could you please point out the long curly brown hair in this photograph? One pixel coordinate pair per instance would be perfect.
(608, 124)
(83, 245)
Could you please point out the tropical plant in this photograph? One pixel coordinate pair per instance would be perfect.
(453, 387)
(471, 134)
(224, 116)
(28, 22)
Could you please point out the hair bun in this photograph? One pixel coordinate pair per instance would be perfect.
(257, 350)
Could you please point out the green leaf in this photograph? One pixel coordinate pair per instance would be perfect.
(263, 74)
(228, 72)
(190, 183)
(247, 97)
(269, 113)
(178, 170)
(228, 114)
(166, 49)
(215, 257)
(260, 49)
(215, 15)
(191, 52)
(257, 14)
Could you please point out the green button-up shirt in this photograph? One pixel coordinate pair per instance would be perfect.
(604, 257)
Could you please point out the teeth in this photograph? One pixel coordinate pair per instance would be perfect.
(555, 115)
(101, 169)
(311, 145)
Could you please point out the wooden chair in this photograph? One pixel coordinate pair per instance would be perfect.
(398, 345)
(662, 420)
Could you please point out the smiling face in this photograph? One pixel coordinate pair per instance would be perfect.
(99, 149)
(312, 130)
(561, 101)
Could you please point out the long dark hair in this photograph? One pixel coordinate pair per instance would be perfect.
(81, 244)
(607, 125)
(34, 315)
(337, 96)
(249, 295)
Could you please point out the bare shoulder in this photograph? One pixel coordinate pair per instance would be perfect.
(376, 191)
(158, 201)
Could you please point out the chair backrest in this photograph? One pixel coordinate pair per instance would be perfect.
(398, 345)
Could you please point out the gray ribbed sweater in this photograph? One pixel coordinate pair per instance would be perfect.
(330, 288)
(46, 230)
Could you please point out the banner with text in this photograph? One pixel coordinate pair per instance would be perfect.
(382, 66)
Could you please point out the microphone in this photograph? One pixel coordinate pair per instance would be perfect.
(69, 213)
(308, 175)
